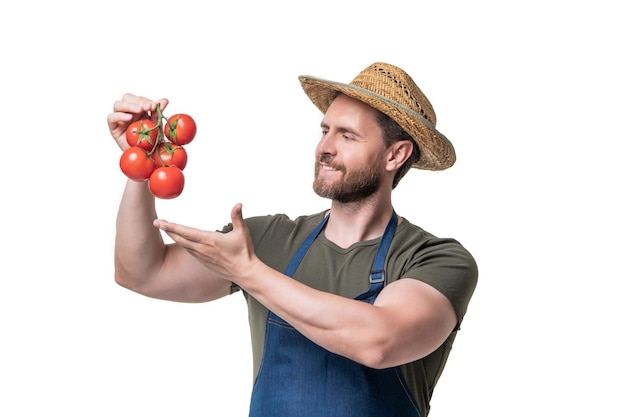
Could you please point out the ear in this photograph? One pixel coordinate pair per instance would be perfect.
(398, 153)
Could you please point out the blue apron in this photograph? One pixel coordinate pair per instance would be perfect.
(299, 378)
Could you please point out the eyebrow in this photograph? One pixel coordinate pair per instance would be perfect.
(341, 129)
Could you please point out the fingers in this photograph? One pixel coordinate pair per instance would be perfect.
(179, 232)
(116, 118)
(141, 107)
(164, 102)
(129, 109)
(236, 216)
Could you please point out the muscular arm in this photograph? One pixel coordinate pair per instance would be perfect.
(409, 319)
(143, 262)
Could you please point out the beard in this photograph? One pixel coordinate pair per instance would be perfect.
(354, 186)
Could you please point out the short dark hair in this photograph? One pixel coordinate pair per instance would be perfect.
(392, 133)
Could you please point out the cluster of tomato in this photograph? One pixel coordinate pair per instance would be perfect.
(156, 153)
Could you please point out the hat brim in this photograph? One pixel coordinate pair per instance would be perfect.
(436, 151)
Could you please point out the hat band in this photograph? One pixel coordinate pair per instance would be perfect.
(388, 101)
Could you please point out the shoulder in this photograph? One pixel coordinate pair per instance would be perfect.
(442, 262)
(425, 245)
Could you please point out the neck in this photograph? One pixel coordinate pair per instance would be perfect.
(350, 223)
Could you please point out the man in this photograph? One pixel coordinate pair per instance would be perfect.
(353, 311)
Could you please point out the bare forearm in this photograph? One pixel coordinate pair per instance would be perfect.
(139, 247)
(347, 327)
(408, 321)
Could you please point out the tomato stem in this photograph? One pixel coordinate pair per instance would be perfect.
(159, 126)
(158, 154)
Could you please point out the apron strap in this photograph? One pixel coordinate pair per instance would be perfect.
(297, 258)
(377, 275)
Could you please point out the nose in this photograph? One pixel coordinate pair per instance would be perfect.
(326, 145)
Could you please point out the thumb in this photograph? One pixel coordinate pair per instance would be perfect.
(236, 216)
(163, 103)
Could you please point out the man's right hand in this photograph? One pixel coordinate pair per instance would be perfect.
(129, 109)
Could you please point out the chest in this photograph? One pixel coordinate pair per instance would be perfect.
(328, 268)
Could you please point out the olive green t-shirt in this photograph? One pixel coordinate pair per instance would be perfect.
(414, 253)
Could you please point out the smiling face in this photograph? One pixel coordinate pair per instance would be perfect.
(350, 155)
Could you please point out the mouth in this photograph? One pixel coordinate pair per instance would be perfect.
(326, 167)
(326, 170)
(325, 163)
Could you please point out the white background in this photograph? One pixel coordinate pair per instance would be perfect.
(531, 93)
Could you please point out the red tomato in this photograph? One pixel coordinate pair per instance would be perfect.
(136, 164)
(166, 182)
(142, 133)
(180, 129)
(168, 154)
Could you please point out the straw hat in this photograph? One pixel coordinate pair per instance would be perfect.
(393, 92)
